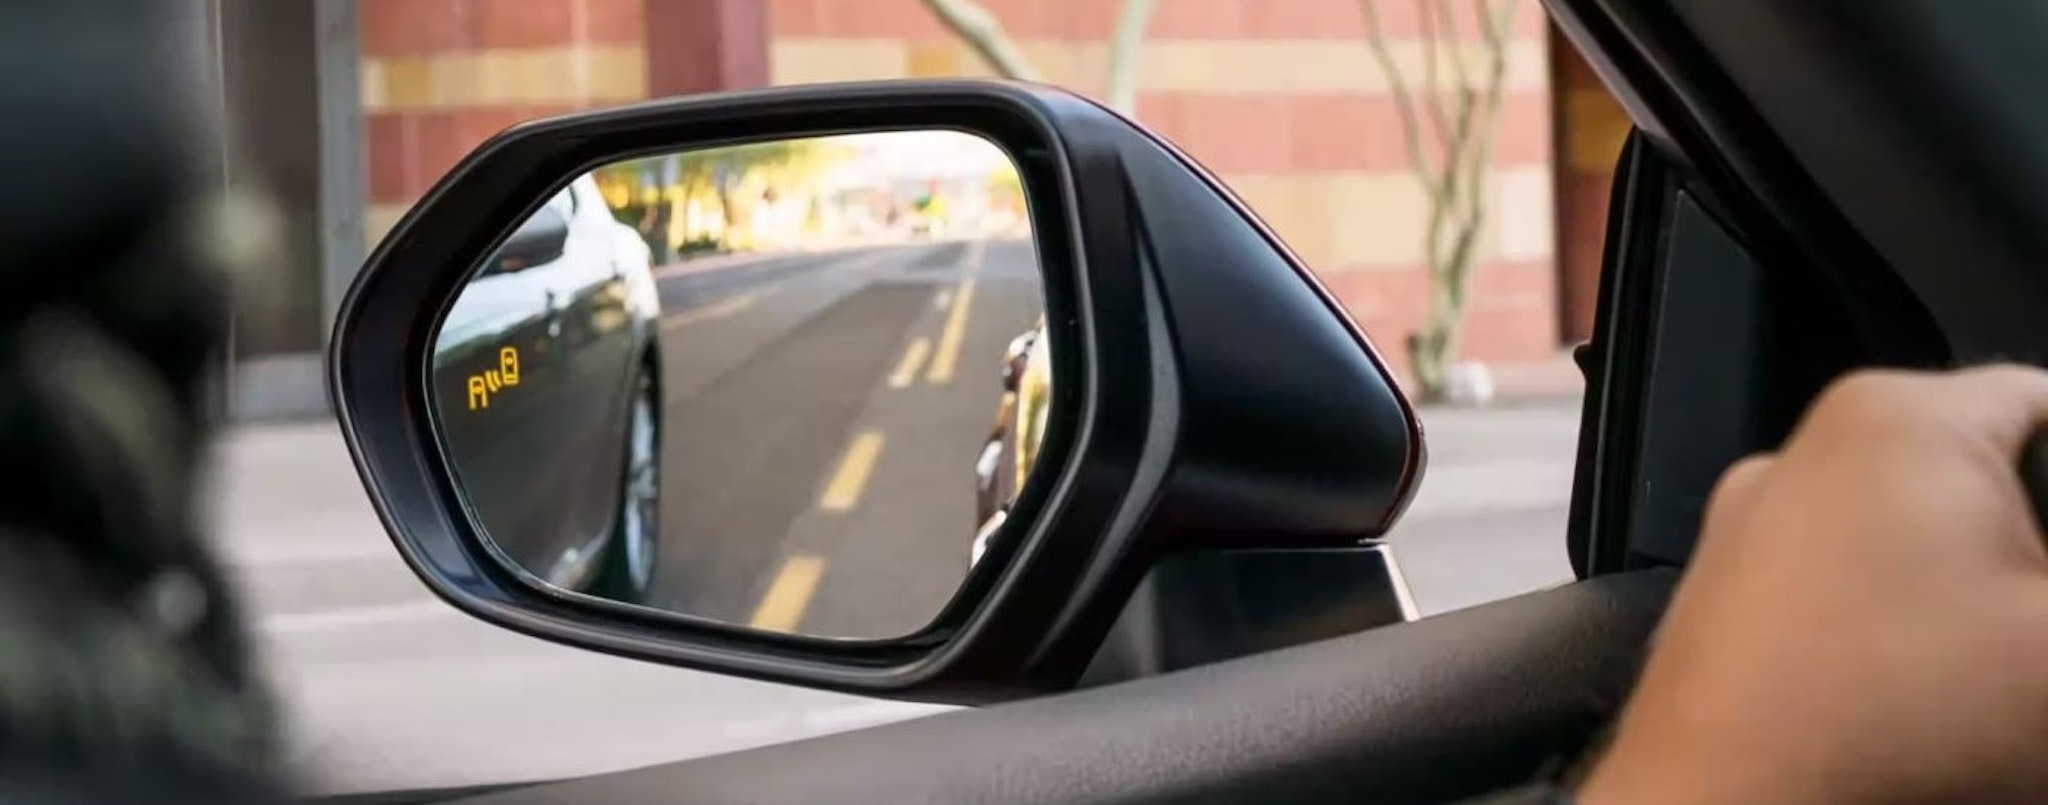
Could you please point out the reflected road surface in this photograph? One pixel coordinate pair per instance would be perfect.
(823, 414)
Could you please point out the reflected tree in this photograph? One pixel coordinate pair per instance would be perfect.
(649, 192)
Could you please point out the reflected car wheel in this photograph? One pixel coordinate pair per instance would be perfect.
(629, 562)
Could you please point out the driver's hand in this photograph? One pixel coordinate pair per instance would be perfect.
(1865, 618)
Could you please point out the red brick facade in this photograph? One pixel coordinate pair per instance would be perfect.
(1279, 97)
(1312, 142)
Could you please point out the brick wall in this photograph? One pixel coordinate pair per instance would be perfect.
(1280, 97)
(1285, 102)
(440, 76)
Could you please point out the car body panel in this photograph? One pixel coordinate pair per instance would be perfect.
(1010, 453)
(539, 457)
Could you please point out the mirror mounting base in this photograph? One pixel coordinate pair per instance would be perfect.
(1208, 606)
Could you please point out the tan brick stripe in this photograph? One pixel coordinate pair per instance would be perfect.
(380, 220)
(574, 75)
(1512, 316)
(1351, 221)
(1497, 284)
(1204, 65)
(1323, 131)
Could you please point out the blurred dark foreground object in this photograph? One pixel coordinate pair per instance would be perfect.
(124, 675)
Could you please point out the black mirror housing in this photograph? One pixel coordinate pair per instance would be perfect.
(1218, 398)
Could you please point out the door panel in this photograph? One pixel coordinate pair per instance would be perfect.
(1408, 713)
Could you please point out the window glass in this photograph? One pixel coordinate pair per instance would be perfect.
(347, 112)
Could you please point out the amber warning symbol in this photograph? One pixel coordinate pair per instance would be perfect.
(492, 381)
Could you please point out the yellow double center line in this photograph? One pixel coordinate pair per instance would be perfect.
(948, 357)
(842, 491)
(718, 310)
(782, 606)
(955, 330)
(913, 359)
(788, 595)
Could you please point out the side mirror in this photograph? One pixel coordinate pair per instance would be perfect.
(763, 462)
(541, 239)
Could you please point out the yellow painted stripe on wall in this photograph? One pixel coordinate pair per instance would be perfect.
(1347, 220)
(1186, 65)
(378, 222)
(560, 75)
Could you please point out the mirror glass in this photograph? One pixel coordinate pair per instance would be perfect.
(792, 385)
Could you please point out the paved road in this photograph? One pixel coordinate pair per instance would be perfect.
(390, 688)
(823, 418)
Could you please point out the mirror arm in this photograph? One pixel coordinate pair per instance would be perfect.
(1208, 606)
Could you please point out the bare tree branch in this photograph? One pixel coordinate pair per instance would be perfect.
(1458, 158)
(1126, 52)
(1483, 103)
(980, 30)
(1496, 17)
(1464, 114)
(1404, 98)
(1460, 98)
(1432, 68)
(1447, 15)
(1457, 142)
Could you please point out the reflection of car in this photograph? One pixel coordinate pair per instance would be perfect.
(1007, 457)
(548, 389)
